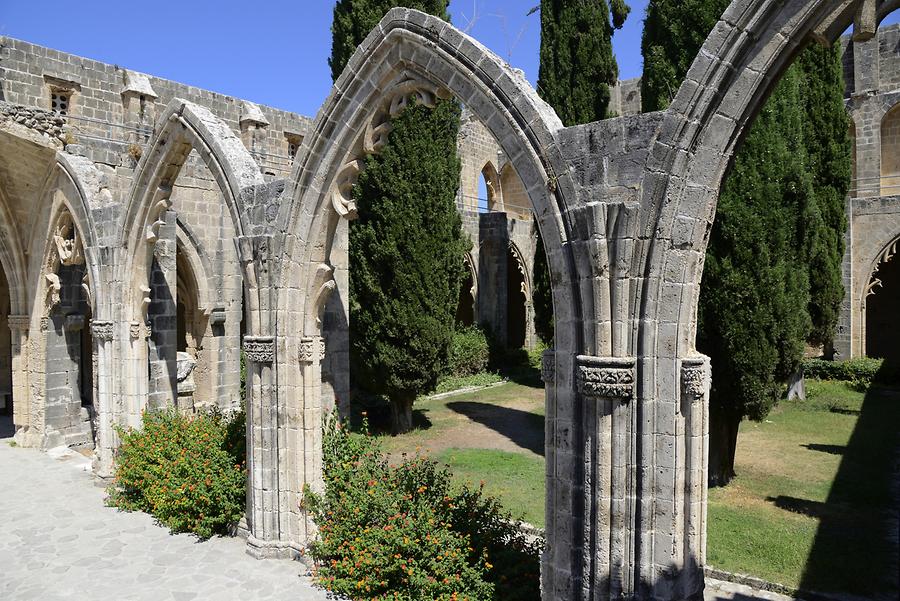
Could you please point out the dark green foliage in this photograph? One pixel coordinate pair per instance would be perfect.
(354, 19)
(674, 31)
(577, 63)
(469, 352)
(753, 319)
(829, 160)
(187, 472)
(404, 259)
(542, 295)
(402, 532)
(577, 67)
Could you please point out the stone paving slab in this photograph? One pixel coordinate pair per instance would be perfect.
(60, 542)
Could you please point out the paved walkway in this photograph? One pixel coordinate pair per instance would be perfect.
(60, 542)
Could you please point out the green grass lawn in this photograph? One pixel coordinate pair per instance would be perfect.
(806, 509)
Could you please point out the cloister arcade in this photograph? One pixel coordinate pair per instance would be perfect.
(624, 207)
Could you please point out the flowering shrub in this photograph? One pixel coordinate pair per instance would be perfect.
(188, 472)
(401, 532)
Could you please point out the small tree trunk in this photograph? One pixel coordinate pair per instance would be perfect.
(401, 415)
(723, 431)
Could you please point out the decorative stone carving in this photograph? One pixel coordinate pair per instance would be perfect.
(217, 316)
(605, 378)
(886, 256)
(67, 241)
(157, 219)
(102, 330)
(259, 349)
(695, 377)
(410, 88)
(312, 348)
(185, 367)
(548, 366)
(19, 323)
(45, 323)
(54, 286)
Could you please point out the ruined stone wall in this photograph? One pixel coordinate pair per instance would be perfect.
(872, 81)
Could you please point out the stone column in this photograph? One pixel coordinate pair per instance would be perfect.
(163, 315)
(102, 334)
(265, 538)
(18, 326)
(492, 275)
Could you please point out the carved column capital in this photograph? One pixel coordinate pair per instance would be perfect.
(312, 348)
(260, 349)
(695, 377)
(605, 378)
(548, 366)
(102, 330)
(19, 323)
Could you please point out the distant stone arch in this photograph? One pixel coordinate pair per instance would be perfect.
(890, 152)
(493, 187)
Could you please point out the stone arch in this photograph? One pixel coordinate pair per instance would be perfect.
(12, 259)
(147, 232)
(738, 66)
(54, 336)
(890, 152)
(408, 53)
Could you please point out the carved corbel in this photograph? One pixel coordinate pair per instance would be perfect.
(158, 219)
(86, 288)
(53, 291)
(342, 194)
(145, 302)
(605, 378)
(324, 285)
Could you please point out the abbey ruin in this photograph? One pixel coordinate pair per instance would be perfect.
(149, 231)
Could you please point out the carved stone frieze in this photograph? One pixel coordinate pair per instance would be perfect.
(312, 348)
(102, 330)
(259, 349)
(605, 378)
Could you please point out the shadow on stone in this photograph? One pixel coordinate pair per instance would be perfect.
(521, 427)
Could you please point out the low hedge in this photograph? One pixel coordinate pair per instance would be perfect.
(186, 471)
(852, 370)
(402, 532)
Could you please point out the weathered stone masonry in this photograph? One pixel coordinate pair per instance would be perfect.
(624, 206)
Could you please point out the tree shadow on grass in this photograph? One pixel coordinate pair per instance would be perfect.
(521, 427)
(831, 449)
(855, 548)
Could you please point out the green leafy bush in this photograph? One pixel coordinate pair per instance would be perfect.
(469, 352)
(186, 471)
(858, 369)
(401, 532)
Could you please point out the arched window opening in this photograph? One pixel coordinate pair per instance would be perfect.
(890, 153)
(489, 198)
(882, 314)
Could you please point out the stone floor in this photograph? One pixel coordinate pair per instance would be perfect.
(60, 543)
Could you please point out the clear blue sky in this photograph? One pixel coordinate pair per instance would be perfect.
(273, 52)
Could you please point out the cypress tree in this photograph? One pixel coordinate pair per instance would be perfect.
(829, 159)
(674, 31)
(355, 19)
(772, 274)
(405, 251)
(407, 244)
(577, 67)
(753, 317)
